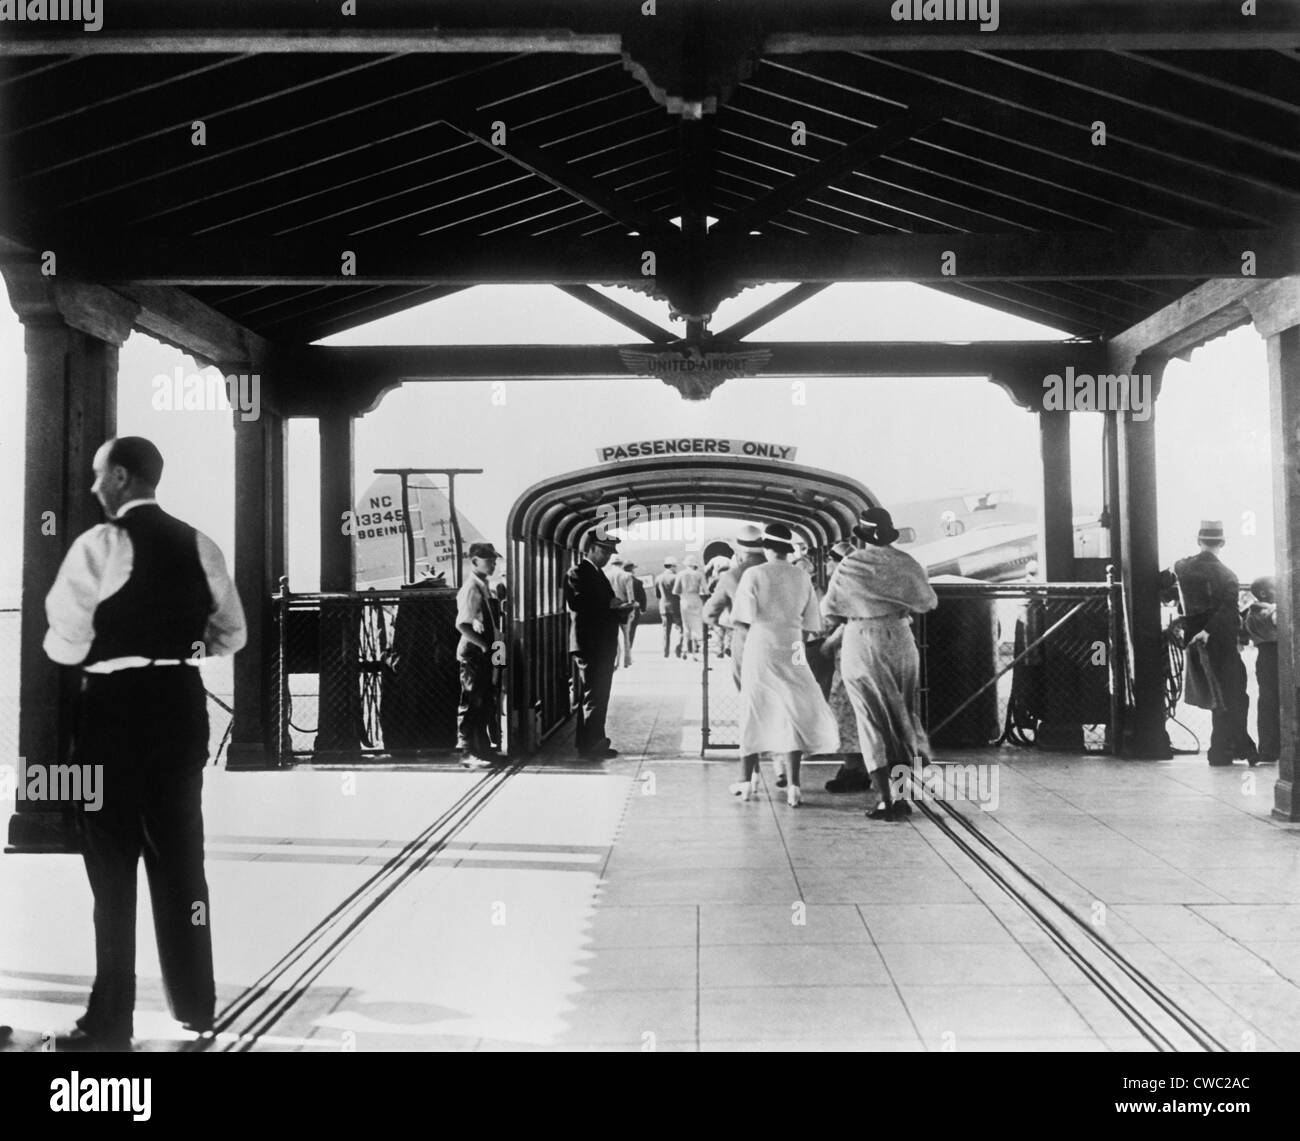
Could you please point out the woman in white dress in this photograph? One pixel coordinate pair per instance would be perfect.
(874, 591)
(690, 586)
(782, 710)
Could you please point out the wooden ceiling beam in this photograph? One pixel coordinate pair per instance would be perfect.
(620, 313)
(616, 260)
(851, 157)
(564, 177)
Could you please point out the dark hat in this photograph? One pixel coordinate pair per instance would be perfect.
(876, 526)
(777, 537)
(596, 539)
(483, 551)
(629, 566)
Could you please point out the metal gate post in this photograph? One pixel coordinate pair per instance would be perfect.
(704, 694)
(1117, 675)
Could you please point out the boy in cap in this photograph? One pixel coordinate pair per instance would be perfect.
(1209, 594)
(477, 624)
(1260, 623)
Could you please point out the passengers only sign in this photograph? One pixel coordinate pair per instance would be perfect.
(696, 446)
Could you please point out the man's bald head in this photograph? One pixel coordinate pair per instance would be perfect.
(126, 468)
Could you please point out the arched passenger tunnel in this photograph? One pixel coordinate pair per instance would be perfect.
(549, 520)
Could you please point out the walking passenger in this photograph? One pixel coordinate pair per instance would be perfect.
(689, 589)
(852, 775)
(670, 609)
(781, 709)
(717, 611)
(621, 581)
(874, 592)
(634, 616)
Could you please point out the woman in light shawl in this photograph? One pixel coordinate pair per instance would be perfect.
(874, 591)
(782, 710)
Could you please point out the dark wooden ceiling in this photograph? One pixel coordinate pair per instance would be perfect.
(983, 142)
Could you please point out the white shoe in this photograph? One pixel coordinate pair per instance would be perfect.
(793, 797)
(743, 790)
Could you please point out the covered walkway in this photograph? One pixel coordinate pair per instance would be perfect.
(633, 905)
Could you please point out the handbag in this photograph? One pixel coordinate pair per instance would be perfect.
(1200, 685)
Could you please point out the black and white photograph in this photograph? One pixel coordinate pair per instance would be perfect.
(650, 526)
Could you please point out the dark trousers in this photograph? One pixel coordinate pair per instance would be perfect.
(1229, 736)
(668, 619)
(478, 704)
(148, 728)
(595, 679)
(1270, 716)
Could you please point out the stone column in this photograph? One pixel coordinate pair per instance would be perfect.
(340, 699)
(1057, 528)
(259, 562)
(1144, 732)
(1276, 312)
(72, 334)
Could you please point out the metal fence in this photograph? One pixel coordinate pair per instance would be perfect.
(1022, 663)
(366, 674)
(720, 700)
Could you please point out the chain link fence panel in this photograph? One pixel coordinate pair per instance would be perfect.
(373, 673)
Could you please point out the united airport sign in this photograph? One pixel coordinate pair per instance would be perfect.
(696, 446)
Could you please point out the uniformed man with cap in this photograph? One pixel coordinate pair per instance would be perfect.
(1209, 597)
(476, 621)
(670, 607)
(593, 639)
(138, 602)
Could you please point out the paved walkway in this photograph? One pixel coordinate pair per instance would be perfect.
(634, 905)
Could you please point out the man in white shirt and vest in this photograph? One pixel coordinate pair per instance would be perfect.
(137, 604)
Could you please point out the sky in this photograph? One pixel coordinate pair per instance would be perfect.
(904, 438)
